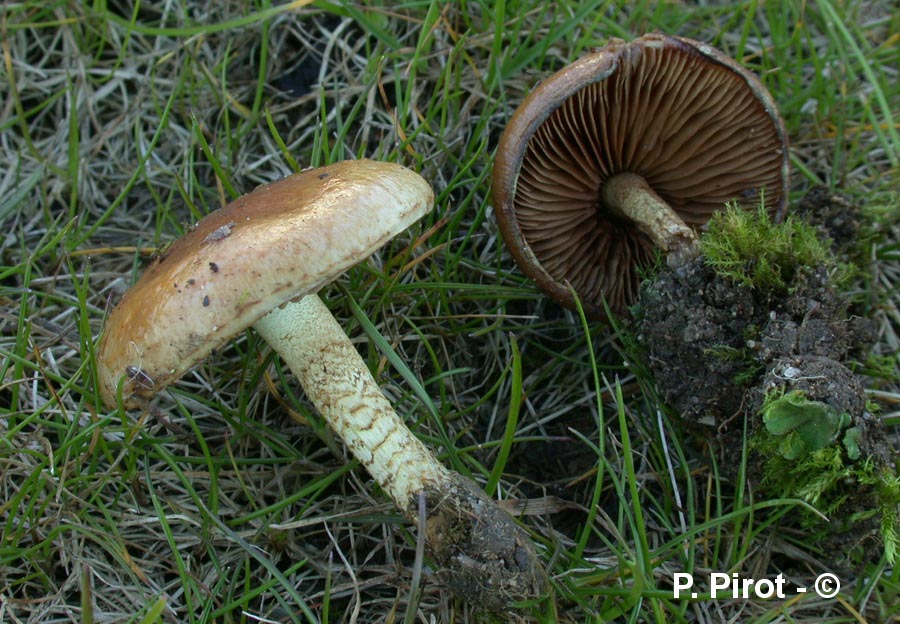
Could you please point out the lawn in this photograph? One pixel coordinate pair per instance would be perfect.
(227, 499)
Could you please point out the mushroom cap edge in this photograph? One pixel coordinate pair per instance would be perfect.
(279, 242)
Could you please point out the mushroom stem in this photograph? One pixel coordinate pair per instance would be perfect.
(631, 196)
(485, 557)
(338, 382)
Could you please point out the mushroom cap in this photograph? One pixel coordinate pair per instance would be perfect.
(699, 128)
(277, 243)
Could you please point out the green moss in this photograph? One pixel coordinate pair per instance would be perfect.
(726, 353)
(887, 493)
(810, 452)
(751, 367)
(746, 247)
(885, 368)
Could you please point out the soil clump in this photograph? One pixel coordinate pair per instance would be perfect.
(722, 351)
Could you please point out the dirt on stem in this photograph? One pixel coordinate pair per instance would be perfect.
(483, 555)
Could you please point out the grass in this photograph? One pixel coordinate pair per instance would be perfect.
(227, 500)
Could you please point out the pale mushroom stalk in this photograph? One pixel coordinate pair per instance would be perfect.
(632, 197)
(486, 557)
(339, 384)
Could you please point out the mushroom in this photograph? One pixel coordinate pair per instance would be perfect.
(628, 149)
(258, 262)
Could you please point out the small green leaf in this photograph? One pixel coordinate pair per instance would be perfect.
(809, 425)
(851, 442)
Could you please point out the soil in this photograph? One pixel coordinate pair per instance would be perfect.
(484, 557)
(708, 341)
(715, 348)
(834, 216)
(826, 380)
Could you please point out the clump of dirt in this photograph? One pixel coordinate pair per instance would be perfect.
(720, 346)
(708, 340)
(834, 216)
(828, 382)
(484, 556)
(694, 327)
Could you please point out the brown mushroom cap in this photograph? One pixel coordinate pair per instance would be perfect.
(695, 125)
(277, 243)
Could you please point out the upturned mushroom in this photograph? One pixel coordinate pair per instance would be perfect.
(258, 262)
(631, 148)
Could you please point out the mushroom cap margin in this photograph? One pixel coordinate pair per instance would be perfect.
(281, 241)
